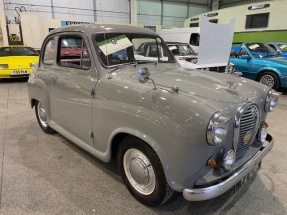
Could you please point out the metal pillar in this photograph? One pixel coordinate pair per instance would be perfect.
(133, 12)
(215, 5)
(95, 10)
(161, 14)
(3, 23)
(52, 8)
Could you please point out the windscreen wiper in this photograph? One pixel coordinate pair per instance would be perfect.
(120, 66)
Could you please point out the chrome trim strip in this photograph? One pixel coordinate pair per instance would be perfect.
(201, 194)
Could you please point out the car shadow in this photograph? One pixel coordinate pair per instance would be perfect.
(13, 80)
(283, 91)
(245, 201)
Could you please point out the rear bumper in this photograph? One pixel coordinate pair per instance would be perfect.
(201, 194)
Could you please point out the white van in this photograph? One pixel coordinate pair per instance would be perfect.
(182, 35)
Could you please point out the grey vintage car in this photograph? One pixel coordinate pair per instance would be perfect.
(170, 129)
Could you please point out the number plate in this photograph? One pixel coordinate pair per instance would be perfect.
(19, 72)
(240, 184)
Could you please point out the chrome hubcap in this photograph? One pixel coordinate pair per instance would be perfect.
(267, 80)
(139, 171)
(42, 115)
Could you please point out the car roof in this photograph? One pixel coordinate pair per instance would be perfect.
(103, 28)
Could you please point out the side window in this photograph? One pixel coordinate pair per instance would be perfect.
(194, 39)
(72, 52)
(242, 52)
(273, 47)
(86, 61)
(195, 24)
(257, 20)
(49, 51)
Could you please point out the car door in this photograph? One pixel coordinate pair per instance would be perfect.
(74, 79)
(243, 65)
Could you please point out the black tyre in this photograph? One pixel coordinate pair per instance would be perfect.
(142, 172)
(42, 118)
(270, 79)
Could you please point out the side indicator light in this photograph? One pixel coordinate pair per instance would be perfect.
(212, 163)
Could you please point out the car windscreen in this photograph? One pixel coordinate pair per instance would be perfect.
(17, 51)
(261, 50)
(181, 50)
(120, 48)
(282, 46)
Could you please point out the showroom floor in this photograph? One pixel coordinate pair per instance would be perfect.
(47, 174)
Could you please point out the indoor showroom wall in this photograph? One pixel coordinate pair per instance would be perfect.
(40, 17)
(108, 11)
(169, 14)
(149, 12)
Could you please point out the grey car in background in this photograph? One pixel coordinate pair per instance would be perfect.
(170, 129)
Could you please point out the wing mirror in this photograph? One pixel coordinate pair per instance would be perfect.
(143, 76)
(245, 56)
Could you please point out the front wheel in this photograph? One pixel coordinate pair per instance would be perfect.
(270, 79)
(142, 172)
(42, 118)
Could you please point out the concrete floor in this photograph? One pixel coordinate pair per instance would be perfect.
(47, 174)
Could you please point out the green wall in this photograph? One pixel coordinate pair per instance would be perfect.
(260, 36)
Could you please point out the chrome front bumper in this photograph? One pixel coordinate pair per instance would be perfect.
(201, 194)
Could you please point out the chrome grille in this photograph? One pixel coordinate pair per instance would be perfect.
(248, 126)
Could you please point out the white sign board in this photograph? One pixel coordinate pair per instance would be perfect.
(114, 44)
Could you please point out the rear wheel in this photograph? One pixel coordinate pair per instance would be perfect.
(270, 79)
(142, 172)
(42, 118)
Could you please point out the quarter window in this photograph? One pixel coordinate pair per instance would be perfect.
(257, 20)
(73, 53)
(49, 52)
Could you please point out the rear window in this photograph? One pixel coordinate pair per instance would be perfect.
(17, 51)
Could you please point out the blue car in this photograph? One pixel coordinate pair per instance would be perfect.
(280, 47)
(258, 61)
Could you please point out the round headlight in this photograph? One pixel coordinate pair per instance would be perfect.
(272, 103)
(228, 159)
(271, 100)
(219, 133)
(33, 65)
(217, 129)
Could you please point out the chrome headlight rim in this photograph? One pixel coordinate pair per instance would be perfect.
(218, 121)
(271, 100)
